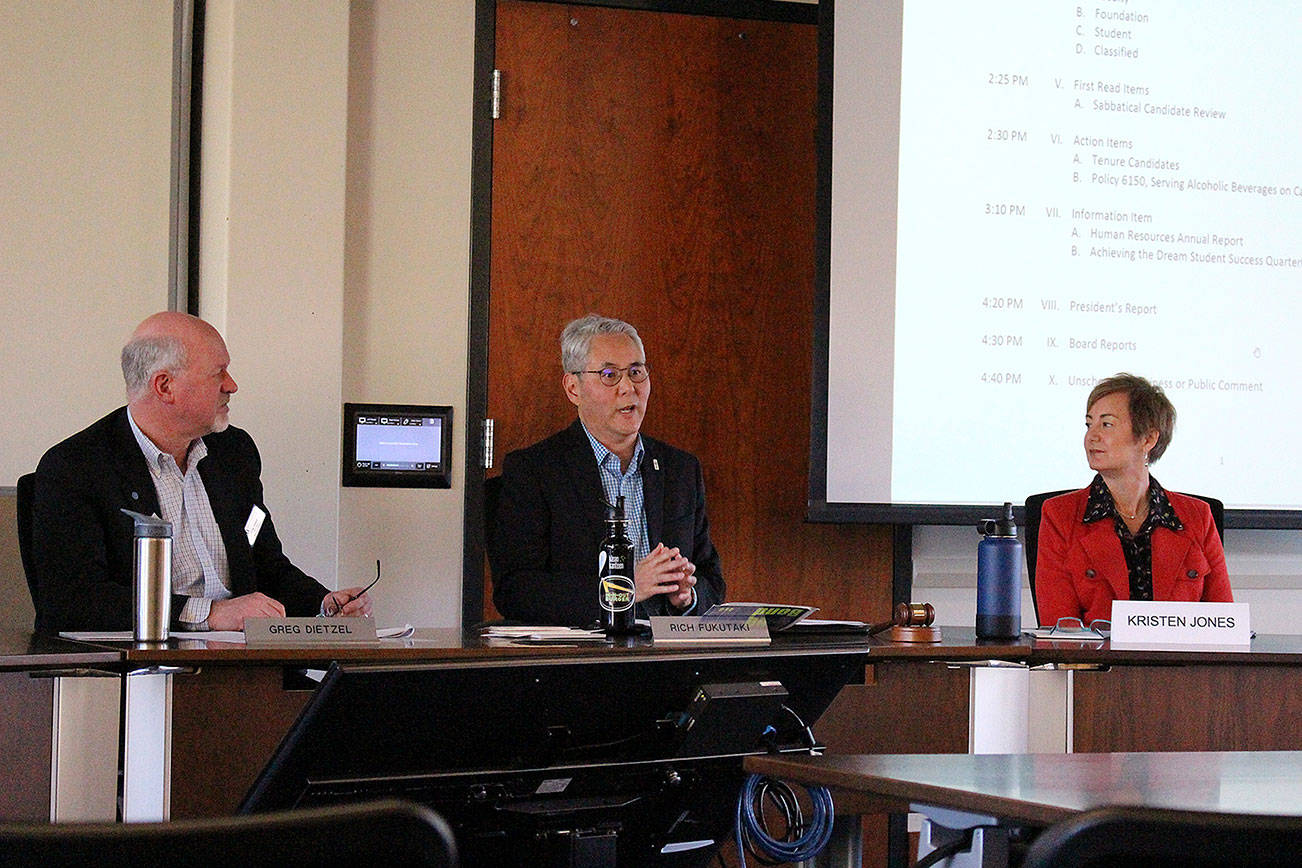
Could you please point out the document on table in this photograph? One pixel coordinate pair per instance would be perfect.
(537, 634)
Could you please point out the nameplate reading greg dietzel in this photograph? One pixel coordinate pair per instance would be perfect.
(262, 632)
(696, 630)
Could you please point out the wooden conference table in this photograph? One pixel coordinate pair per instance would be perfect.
(1042, 789)
(209, 714)
(34, 672)
(214, 712)
(993, 794)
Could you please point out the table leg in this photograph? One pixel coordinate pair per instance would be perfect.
(943, 826)
(845, 849)
(146, 745)
(84, 754)
(1013, 709)
(998, 709)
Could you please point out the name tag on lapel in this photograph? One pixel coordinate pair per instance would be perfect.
(257, 516)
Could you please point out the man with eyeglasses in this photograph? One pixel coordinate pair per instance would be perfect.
(551, 518)
(170, 451)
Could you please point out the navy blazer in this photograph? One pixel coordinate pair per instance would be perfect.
(551, 521)
(82, 543)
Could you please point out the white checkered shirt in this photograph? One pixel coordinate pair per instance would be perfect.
(200, 569)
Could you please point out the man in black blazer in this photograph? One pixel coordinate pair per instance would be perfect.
(169, 452)
(551, 516)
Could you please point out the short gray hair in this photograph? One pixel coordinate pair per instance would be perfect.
(576, 339)
(143, 357)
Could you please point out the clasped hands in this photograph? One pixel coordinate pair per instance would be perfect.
(665, 571)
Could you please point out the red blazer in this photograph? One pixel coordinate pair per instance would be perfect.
(1080, 568)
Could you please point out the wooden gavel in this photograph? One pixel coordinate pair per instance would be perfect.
(907, 615)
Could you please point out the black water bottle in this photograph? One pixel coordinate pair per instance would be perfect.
(615, 587)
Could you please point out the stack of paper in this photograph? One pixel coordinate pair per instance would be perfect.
(541, 635)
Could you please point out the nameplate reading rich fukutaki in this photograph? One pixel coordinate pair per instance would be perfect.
(709, 631)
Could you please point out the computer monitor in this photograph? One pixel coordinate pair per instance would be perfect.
(397, 445)
(542, 763)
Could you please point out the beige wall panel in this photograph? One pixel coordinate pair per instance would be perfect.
(406, 298)
(85, 162)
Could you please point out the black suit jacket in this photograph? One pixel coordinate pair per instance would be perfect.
(83, 544)
(551, 520)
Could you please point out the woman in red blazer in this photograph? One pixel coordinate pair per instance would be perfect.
(1125, 537)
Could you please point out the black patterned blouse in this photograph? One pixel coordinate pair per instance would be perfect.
(1137, 547)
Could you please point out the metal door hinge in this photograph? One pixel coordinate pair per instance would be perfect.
(488, 444)
(497, 94)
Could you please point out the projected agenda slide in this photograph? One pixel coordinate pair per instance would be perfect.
(1082, 189)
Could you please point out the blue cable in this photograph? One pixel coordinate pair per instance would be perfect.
(751, 832)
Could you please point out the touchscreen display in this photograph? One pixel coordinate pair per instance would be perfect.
(398, 442)
(397, 445)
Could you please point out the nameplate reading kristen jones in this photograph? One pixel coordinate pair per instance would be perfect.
(1188, 626)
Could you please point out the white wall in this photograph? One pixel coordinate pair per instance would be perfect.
(335, 221)
(85, 163)
(407, 267)
(335, 213)
(271, 260)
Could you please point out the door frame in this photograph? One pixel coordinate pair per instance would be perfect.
(481, 221)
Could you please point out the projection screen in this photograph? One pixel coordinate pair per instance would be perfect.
(1018, 199)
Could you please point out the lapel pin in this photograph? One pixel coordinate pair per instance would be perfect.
(655, 463)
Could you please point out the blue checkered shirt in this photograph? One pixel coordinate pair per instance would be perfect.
(629, 484)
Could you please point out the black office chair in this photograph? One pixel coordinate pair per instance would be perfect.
(388, 833)
(1031, 529)
(23, 503)
(1031, 532)
(1121, 837)
(492, 499)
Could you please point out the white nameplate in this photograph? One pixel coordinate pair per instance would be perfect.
(708, 631)
(261, 632)
(1186, 626)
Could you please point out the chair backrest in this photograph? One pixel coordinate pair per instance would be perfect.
(390, 833)
(1163, 838)
(492, 498)
(1031, 528)
(1218, 513)
(26, 492)
(1031, 531)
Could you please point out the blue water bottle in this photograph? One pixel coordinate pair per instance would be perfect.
(999, 578)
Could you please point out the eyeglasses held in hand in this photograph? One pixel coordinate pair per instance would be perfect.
(1070, 625)
(334, 608)
(611, 375)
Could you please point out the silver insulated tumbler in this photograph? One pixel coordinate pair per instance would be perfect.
(152, 584)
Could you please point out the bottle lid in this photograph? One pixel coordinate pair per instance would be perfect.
(615, 512)
(150, 526)
(1003, 527)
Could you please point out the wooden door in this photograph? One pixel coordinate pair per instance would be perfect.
(660, 167)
